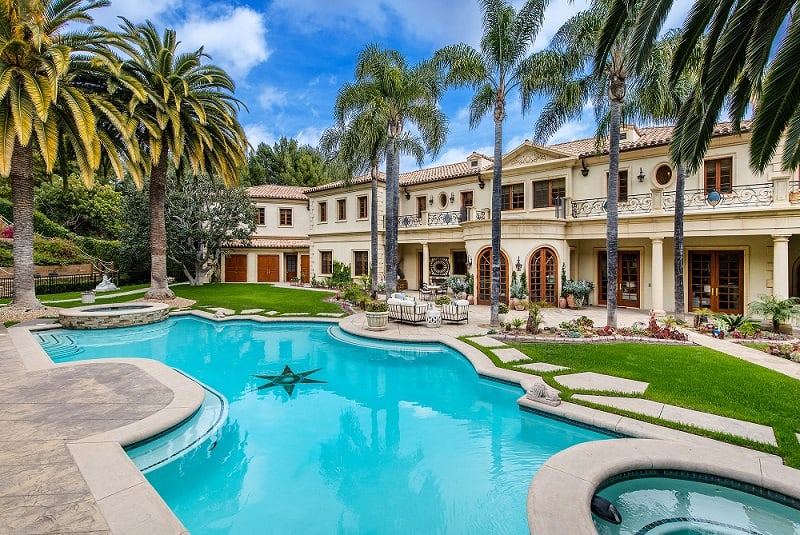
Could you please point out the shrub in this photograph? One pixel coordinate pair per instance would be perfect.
(736, 322)
(776, 310)
(442, 300)
(456, 283)
(502, 308)
(377, 306)
(341, 275)
(41, 223)
(56, 252)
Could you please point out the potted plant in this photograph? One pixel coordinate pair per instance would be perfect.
(469, 281)
(502, 311)
(517, 292)
(562, 300)
(377, 314)
(458, 285)
(442, 300)
(776, 311)
(535, 318)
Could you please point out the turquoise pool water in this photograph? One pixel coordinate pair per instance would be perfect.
(667, 505)
(389, 439)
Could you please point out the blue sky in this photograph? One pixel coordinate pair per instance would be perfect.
(290, 57)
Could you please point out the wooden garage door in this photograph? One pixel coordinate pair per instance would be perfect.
(269, 268)
(236, 268)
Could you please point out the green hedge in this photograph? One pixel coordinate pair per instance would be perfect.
(41, 223)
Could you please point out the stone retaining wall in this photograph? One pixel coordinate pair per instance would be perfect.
(77, 319)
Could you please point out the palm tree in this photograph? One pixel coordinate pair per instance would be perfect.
(42, 102)
(563, 72)
(739, 62)
(188, 117)
(502, 64)
(389, 91)
(359, 145)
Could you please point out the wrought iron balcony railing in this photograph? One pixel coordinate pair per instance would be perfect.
(636, 204)
(740, 196)
(444, 219)
(409, 221)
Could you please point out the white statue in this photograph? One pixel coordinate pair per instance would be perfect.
(105, 285)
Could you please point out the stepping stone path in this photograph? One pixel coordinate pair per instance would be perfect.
(252, 311)
(702, 420)
(331, 314)
(295, 314)
(599, 381)
(488, 341)
(543, 367)
(509, 355)
(226, 311)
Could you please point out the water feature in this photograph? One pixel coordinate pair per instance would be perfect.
(358, 436)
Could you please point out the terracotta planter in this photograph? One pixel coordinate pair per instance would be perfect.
(562, 302)
(471, 299)
(571, 301)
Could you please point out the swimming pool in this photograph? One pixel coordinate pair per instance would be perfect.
(367, 437)
(657, 505)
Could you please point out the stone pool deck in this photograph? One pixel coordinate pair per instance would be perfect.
(64, 471)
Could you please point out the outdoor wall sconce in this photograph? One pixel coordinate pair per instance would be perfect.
(469, 261)
(713, 198)
(481, 183)
(408, 195)
(584, 169)
(640, 176)
(452, 197)
(430, 199)
(518, 265)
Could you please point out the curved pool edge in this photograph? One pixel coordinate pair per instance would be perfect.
(561, 491)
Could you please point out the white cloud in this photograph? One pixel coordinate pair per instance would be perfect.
(309, 136)
(459, 154)
(135, 11)
(573, 130)
(257, 133)
(235, 38)
(270, 97)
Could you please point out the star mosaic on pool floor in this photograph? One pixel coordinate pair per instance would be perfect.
(288, 379)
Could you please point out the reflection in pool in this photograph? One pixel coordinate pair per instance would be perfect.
(399, 438)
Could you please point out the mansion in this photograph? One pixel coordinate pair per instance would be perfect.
(738, 225)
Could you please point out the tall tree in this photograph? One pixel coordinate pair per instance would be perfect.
(41, 61)
(394, 93)
(501, 65)
(564, 73)
(188, 116)
(743, 57)
(289, 163)
(202, 217)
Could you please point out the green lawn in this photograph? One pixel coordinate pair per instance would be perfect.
(242, 296)
(693, 377)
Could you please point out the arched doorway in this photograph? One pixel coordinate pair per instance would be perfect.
(543, 269)
(485, 277)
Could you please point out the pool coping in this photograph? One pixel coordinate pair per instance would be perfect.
(115, 482)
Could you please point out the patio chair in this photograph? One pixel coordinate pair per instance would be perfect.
(424, 293)
(406, 310)
(456, 311)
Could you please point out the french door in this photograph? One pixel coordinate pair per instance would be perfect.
(485, 278)
(543, 267)
(628, 279)
(716, 281)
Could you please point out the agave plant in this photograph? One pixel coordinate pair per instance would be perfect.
(736, 322)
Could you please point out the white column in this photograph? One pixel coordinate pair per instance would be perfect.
(657, 276)
(426, 262)
(780, 266)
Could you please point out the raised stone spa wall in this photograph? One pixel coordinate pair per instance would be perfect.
(109, 319)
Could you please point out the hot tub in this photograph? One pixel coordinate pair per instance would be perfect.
(112, 315)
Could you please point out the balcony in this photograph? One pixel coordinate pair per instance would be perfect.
(636, 204)
(752, 195)
(441, 219)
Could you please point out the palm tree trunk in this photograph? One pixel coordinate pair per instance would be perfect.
(392, 187)
(680, 186)
(612, 255)
(496, 213)
(373, 231)
(159, 288)
(22, 192)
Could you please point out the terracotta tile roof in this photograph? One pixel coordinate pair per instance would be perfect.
(274, 191)
(269, 243)
(338, 184)
(648, 137)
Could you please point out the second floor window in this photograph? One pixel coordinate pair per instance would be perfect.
(261, 216)
(422, 205)
(546, 191)
(719, 175)
(622, 186)
(323, 212)
(362, 207)
(285, 217)
(513, 197)
(326, 262)
(360, 263)
(341, 209)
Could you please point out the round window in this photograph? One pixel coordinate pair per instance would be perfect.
(664, 175)
(442, 200)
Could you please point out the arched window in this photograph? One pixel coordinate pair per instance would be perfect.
(542, 277)
(485, 277)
